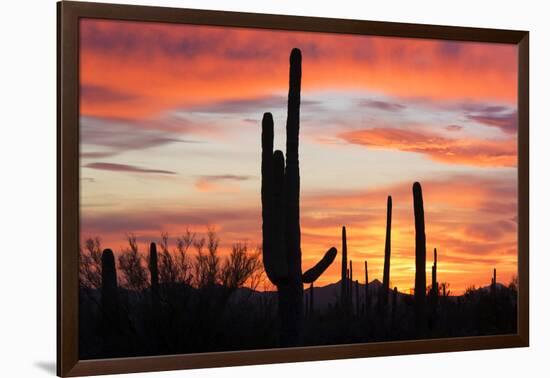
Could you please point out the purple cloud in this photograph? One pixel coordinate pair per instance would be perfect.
(257, 105)
(382, 105)
(106, 137)
(225, 177)
(96, 93)
(507, 122)
(453, 128)
(126, 168)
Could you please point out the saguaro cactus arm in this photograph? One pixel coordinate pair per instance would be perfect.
(273, 246)
(315, 272)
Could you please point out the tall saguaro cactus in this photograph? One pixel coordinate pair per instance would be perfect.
(394, 307)
(109, 302)
(357, 304)
(109, 296)
(435, 285)
(495, 276)
(343, 282)
(282, 255)
(420, 252)
(387, 254)
(350, 285)
(351, 271)
(366, 286)
(154, 273)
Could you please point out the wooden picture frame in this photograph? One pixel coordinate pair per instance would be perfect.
(69, 14)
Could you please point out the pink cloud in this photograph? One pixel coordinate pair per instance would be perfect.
(475, 152)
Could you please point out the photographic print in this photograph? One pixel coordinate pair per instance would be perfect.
(250, 189)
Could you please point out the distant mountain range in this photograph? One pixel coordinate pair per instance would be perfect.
(329, 294)
(324, 296)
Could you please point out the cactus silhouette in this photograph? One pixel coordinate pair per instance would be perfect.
(366, 286)
(154, 273)
(109, 302)
(281, 247)
(350, 286)
(343, 282)
(387, 253)
(494, 282)
(420, 263)
(347, 290)
(435, 285)
(444, 289)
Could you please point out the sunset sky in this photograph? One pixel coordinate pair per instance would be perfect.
(170, 123)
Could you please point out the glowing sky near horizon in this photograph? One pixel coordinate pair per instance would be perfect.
(170, 138)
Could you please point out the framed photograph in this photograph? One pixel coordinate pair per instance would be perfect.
(239, 188)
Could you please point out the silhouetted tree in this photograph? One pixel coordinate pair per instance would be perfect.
(470, 291)
(513, 285)
(239, 266)
(89, 267)
(175, 267)
(132, 267)
(258, 277)
(207, 264)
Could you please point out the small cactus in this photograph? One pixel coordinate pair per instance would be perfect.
(435, 284)
(154, 273)
(343, 282)
(109, 303)
(366, 286)
(444, 290)
(350, 285)
(387, 254)
(494, 282)
(420, 261)
(357, 303)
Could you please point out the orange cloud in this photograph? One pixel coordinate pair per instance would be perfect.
(137, 69)
(219, 183)
(475, 152)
